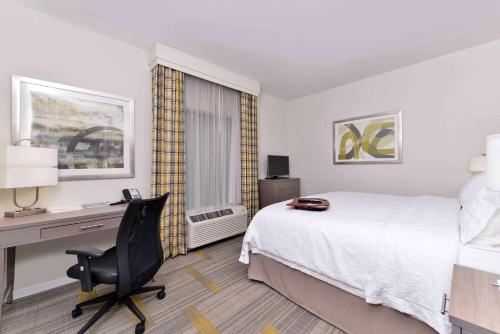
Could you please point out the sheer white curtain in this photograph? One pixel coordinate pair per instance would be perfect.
(213, 152)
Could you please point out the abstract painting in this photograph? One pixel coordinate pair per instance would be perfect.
(92, 131)
(369, 139)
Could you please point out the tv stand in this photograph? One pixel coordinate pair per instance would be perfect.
(277, 190)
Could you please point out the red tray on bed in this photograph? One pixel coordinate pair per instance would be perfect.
(308, 203)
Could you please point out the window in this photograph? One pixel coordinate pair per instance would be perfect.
(213, 152)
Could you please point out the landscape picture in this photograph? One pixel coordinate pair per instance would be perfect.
(87, 134)
(92, 133)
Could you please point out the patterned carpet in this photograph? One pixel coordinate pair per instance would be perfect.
(208, 292)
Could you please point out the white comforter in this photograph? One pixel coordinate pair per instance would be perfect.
(392, 250)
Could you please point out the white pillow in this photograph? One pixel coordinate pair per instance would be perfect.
(478, 206)
(490, 236)
(470, 188)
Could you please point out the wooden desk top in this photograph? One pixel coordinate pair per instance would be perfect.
(475, 302)
(50, 218)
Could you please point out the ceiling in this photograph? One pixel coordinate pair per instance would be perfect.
(293, 47)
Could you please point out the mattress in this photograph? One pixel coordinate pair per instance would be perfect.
(392, 250)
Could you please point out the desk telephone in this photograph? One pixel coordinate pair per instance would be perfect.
(131, 194)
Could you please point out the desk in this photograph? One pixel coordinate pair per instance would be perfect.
(39, 228)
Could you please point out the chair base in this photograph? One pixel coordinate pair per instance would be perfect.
(110, 299)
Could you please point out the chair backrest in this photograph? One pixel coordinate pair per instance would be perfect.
(139, 250)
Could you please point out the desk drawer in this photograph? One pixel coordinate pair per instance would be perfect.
(19, 237)
(79, 228)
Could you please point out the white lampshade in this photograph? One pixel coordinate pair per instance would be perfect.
(493, 162)
(22, 167)
(477, 164)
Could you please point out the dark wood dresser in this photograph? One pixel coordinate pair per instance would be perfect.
(277, 190)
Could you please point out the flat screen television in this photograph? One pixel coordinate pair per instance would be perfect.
(277, 166)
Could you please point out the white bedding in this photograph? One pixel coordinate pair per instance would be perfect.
(392, 250)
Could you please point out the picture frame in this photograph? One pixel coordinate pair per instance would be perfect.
(93, 131)
(370, 139)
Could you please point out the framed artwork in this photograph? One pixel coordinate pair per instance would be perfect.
(371, 139)
(93, 131)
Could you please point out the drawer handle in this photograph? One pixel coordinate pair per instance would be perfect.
(85, 228)
(444, 304)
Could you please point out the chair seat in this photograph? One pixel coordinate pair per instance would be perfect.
(102, 270)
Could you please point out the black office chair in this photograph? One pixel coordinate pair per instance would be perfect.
(132, 263)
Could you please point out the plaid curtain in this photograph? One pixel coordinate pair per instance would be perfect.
(249, 162)
(169, 166)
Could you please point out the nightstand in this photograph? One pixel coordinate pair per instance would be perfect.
(474, 302)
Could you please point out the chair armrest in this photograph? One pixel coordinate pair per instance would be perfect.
(84, 254)
(86, 251)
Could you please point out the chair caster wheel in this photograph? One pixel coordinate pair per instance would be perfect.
(160, 295)
(139, 329)
(76, 312)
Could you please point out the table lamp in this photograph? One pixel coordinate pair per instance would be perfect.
(477, 164)
(24, 167)
(493, 162)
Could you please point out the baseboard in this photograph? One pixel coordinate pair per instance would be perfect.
(37, 288)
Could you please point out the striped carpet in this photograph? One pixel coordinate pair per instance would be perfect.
(208, 292)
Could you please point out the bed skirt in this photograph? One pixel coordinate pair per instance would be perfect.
(345, 311)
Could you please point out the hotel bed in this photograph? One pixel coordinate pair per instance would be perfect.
(363, 265)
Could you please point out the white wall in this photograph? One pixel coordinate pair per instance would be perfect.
(38, 46)
(272, 129)
(450, 104)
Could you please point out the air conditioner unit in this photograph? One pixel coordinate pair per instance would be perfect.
(206, 227)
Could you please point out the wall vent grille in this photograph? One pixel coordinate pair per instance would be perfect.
(210, 215)
(208, 227)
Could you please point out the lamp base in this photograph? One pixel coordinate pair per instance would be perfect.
(23, 213)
